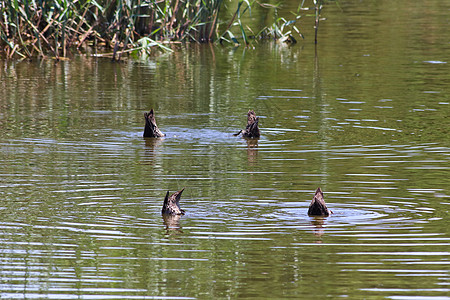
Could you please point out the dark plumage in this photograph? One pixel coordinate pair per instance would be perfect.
(318, 206)
(251, 130)
(151, 129)
(171, 204)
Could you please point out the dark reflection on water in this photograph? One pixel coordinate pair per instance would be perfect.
(252, 150)
(319, 223)
(81, 190)
(172, 223)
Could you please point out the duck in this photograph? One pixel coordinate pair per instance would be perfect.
(171, 204)
(252, 129)
(151, 129)
(318, 206)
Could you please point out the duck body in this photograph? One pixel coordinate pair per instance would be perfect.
(318, 206)
(252, 129)
(151, 129)
(171, 205)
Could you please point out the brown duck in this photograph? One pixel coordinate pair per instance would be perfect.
(318, 206)
(171, 204)
(251, 130)
(151, 129)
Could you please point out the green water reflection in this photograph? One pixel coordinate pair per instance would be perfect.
(364, 117)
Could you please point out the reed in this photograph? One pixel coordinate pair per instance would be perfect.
(36, 27)
(318, 5)
(56, 28)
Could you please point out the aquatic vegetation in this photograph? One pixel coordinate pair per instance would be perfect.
(56, 28)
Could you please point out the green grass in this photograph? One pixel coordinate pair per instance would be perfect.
(30, 28)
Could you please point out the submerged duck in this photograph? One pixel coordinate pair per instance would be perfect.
(151, 129)
(251, 130)
(318, 206)
(171, 204)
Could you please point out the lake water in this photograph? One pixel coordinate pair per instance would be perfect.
(365, 116)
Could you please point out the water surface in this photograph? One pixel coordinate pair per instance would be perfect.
(364, 116)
